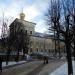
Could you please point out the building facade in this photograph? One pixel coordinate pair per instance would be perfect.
(38, 42)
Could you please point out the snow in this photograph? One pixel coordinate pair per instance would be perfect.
(63, 70)
(12, 63)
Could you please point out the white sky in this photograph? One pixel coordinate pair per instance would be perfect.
(33, 9)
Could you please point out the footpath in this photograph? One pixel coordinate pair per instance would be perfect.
(34, 68)
(63, 70)
(22, 69)
(11, 64)
(48, 68)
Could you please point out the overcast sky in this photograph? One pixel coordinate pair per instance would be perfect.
(33, 9)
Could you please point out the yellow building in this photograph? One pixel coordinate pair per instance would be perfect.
(38, 42)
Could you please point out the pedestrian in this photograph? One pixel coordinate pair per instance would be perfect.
(1, 64)
(45, 60)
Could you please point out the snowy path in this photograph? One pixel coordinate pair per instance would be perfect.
(12, 63)
(63, 70)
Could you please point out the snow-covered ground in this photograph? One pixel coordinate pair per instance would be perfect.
(12, 63)
(63, 70)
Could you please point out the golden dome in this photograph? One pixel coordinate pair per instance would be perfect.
(22, 16)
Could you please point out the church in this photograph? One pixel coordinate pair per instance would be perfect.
(39, 42)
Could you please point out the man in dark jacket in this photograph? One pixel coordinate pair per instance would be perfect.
(45, 60)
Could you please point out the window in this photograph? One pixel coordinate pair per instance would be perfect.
(49, 51)
(30, 32)
(26, 31)
(37, 49)
(30, 49)
(41, 50)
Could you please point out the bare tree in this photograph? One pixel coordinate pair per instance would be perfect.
(19, 38)
(67, 36)
(72, 13)
(54, 17)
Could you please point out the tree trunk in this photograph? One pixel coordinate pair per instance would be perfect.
(17, 58)
(23, 53)
(68, 50)
(55, 43)
(7, 56)
(68, 47)
(58, 42)
(69, 59)
(74, 51)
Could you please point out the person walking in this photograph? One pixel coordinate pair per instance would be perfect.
(45, 60)
(1, 64)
